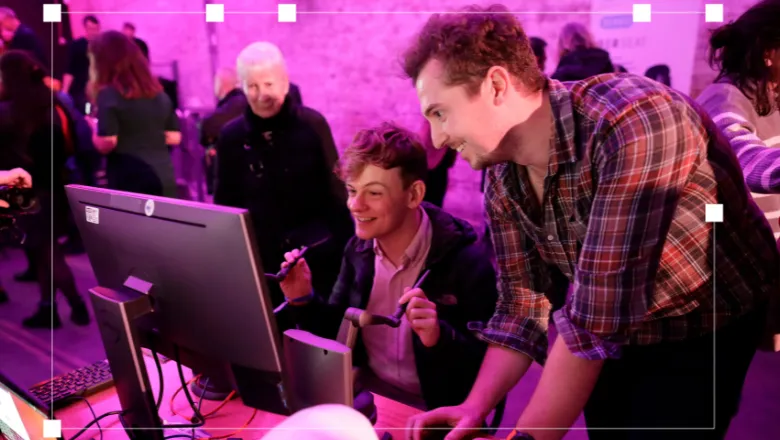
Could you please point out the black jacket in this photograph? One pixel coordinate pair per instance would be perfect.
(583, 63)
(462, 283)
(230, 107)
(281, 170)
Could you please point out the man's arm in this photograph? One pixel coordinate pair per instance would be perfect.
(322, 315)
(643, 167)
(517, 332)
(477, 300)
(731, 110)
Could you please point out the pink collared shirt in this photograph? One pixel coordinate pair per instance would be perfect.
(390, 353)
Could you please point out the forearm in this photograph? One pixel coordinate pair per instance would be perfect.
(67, 80)
(500, 372)
(560, 396)
(104, 144)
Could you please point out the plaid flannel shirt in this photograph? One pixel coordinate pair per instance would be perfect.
(622, 218)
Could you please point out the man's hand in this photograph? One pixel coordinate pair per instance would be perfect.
(297, 284)
(422, 316)
(16, 177)
(464, 421)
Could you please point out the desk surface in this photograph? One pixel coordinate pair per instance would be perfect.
(391, 415)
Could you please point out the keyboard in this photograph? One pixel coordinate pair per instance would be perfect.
(82, 382)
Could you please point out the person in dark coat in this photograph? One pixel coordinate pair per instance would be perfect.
(580, 58)
(277, 160)
(432, 359)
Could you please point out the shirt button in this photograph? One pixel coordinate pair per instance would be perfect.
(550, 238)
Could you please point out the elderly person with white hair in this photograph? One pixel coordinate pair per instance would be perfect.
(277, 160)
(579, 56)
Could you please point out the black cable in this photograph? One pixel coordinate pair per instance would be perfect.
(92, 410)
(160, 379)
(180, 436)
(200, 419)
(203, 393)
(83, 430)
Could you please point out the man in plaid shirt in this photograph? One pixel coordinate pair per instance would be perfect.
(596, 196)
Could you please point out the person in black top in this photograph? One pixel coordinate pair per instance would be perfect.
(277, 161)
(580, 58)
(18, 36)
(33, 137)
(135, 118)
(129, 30)
(74, 81)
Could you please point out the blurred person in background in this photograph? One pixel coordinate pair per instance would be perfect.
(76, 77)
(30, 131)
(18, 36)
(136, 120)
(743, 100)
(440, 160)
(231, 103)
(579, 57)
(16, 177)
(129, 30)
(539, 47)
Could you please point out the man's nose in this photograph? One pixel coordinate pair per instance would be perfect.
(355, 203)
(438, 137)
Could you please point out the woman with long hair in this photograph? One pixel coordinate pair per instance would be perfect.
(32, 137)
(578, 55)
(744, 99)
(136, 120)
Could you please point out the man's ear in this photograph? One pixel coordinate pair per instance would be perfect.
(416, 193)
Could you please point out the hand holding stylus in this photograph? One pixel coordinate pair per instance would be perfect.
(421, 313)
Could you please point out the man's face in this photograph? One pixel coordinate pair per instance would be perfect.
(128, 31)
(91, 30)
(8, 27)
(378, 201)
(265, 86)
(459, 121)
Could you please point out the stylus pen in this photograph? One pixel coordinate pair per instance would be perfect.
(282, 274)
(399, 313)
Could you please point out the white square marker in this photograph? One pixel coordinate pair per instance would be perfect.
(713, 213)
(52, 428)
(713, 13)
(52, 13)
(215, 13)
(642, 13)
(287, 13)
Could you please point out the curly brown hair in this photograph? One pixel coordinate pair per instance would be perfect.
(387, 146)
(470, 43)
(117, 61)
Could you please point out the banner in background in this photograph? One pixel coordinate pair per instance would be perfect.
(669, 39)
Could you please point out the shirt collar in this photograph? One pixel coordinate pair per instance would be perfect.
(416, 249)
(563, 148)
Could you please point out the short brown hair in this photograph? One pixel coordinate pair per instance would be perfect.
(469, 44)
(387, 146)
(118, 62)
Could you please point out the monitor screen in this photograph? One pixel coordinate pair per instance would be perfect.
(20, 418)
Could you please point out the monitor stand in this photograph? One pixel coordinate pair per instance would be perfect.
(116, 312)
(125, 320)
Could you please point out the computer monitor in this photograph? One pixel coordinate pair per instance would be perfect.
(184, 279)
(21, 414)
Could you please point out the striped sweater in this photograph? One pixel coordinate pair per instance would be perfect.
(754, 139)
